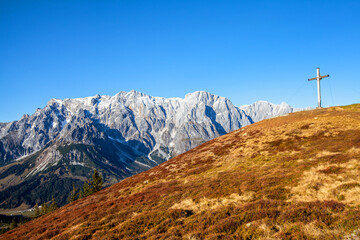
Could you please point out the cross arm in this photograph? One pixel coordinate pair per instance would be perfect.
(321, 77)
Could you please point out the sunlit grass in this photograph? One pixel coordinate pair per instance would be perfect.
(292, 177)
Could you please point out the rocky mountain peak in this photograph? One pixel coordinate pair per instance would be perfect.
(154, 121)
(120, 135)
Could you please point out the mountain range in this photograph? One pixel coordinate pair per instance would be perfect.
(291, 177)
(43, 154)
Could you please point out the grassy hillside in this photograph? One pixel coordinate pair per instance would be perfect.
(292, 177)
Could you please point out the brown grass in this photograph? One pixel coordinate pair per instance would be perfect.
(292, 177)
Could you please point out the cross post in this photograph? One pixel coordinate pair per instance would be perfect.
(318, 78)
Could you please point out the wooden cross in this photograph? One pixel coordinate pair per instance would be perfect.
(318, 78)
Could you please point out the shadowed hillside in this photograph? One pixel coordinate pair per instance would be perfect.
(291, 177)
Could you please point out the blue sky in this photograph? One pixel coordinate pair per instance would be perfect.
(242, 50)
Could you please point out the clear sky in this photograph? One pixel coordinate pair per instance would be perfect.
(243, 50)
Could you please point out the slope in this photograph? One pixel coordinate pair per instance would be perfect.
(291, 177)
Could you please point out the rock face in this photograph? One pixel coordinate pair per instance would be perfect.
(261, 110)
(120, 135)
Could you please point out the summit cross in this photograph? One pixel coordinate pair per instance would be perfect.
(318, 78)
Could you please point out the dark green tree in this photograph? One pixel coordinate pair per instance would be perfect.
(44, 209)
(96, 182)
(73, 195)
(53, 206)
(37, 211)
(81, 193)
(87, 190)
(13, 224)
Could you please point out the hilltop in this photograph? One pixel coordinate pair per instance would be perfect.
(290, 177)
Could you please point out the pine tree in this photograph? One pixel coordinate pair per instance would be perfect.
(89, 187)
(73, 195)
(44, 209)
(13, 224)
(53, 206)
(37, 211)
(96, 182)
(81, 193)
(86, 189)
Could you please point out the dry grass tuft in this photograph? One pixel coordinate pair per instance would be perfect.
(205, 204)
(330, 181)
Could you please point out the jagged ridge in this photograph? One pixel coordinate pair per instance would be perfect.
(120, 135)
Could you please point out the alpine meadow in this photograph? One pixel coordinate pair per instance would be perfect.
(290, 177)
